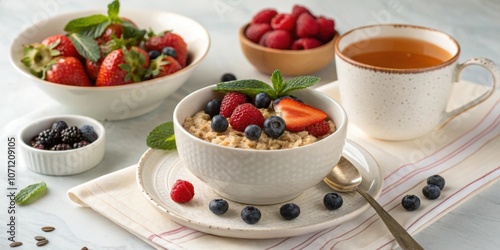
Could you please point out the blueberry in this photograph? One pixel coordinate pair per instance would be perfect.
(153, 54)
(332, 201)
(431, 191)
(250, 214)
(59, 126)
(169, 51)
(436, 180)
(218, 206)
(219, 123)
(88, 133)
(410, 202)
(253, 132)
(274, 126)
(290, 211)
(213, 107)
(262, 100)
(227, 77)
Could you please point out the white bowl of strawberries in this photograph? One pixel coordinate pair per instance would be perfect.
(111, 65)
(255, 151)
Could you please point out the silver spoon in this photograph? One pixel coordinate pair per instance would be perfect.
(346, 178)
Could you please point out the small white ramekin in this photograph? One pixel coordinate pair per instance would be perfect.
(67, 162)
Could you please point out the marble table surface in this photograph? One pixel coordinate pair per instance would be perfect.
(475, 24)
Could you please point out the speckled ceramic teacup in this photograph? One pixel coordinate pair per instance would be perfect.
(402, 103)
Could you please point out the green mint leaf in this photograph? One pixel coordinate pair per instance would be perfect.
(86, 46)
(277, 81)
(96, 31)
(131, 33)
(300, 82)
(113, 10)
(249, 87)
(30, 193)
(83, 23)
(162, 137)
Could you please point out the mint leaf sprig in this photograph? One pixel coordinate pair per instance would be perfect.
(84, 30)
(162, 137)
(279, 88)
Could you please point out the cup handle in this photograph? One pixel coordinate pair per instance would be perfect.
(488, 65)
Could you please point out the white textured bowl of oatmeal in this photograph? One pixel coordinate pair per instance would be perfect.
(259, 176)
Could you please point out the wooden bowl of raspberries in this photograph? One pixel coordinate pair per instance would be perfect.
(110, 65)
(296, 43)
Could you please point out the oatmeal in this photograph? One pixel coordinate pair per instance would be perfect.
(199, 126)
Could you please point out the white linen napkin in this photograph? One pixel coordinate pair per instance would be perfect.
(465, 153)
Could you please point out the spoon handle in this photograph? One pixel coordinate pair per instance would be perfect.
(403, 238)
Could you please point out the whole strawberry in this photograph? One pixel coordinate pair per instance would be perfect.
(123, 66)
(36, 56)
(163, 66)
(244, 115)
(182, 191)
(168, 39)
(68, 71)
(93, 68)
(62, 44)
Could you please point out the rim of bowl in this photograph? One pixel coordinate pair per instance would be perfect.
(109, 88)
(86, 121)
(340, 127)
(249, 43)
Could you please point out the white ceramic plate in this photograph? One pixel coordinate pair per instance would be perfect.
(158, 170)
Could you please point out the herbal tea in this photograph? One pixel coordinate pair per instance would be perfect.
(397, 53)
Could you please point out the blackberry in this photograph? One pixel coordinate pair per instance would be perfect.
(61, 146)
(250, 214)
(88, 133)
(71, 135)
(431, 191)
(218, 206)
(227, 77)
(436, 180)
(410, 202)
(332, 201)
(290, 211)
(80, 144)
(49, 138)
(59, 126)
(35, 142)
(253, 132)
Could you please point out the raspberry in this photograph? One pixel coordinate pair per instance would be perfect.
(255, 31)
(306, 26)
(244, 115)
(318, 129)
(264, 16)
(299, 9)
(230, 101)
(283, 22)
(182, 191)
(263, 39)
(326, 29)
(306, 43)
(278, 39)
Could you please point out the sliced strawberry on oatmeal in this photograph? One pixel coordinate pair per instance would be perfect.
(298, 115)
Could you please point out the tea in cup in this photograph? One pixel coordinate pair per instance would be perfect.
(396, 80)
